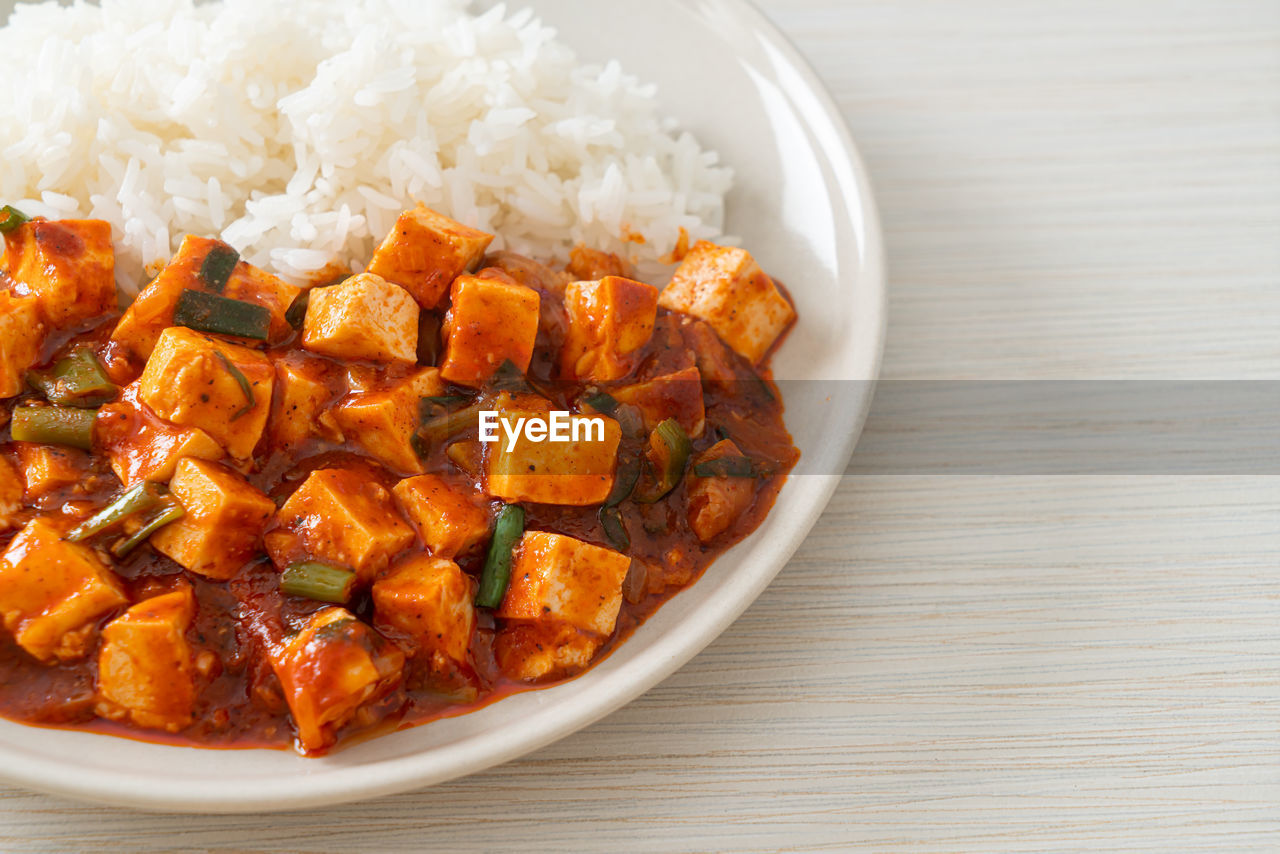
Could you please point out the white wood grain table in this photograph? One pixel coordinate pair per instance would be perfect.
(1070, 188)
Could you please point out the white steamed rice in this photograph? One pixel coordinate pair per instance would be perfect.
(298, 129)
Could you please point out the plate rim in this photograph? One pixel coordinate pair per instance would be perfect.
(665, 656)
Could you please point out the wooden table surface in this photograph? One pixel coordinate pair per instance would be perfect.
(1070, 188)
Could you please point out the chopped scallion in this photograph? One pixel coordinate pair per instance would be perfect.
(53, 425)
(206, 312)
(136, 499)
(497, 564)
(12, 219)
(218, 266)
(312, 579)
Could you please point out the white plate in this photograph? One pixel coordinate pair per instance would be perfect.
(804, 207)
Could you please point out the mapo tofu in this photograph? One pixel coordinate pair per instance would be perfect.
(247, 512)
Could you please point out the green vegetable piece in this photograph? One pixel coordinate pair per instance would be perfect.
(222, 316)
(726, 467)
(297, 312)
(601, 402)
(53, 425)
(172, 512)
(438, 429)
(136, 499)
(614, 529)
(669, 449)
(12, 219)
(624, 481)
(75, 380)
(497, 564)
(508, 378)
(243, 381)
(312, 579)
(218, 266)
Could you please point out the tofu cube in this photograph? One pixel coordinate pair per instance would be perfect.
(530, 652)
(677, 395)
(715, 503)
(140, 446)
(724, 286)
(610, 320)
(575, 472)
(426, 251)
(152, 311)
(11, 492)
(145, 668)
(52, 592)
(191, 380)
(364, 317)
(68, 265)
(342, 517)
(429, 599)
(49, 468)
(559, 578)
(450, 517)
(491, 320)
(222, 528)
(22, 333)
(383, 422)
(305, 388)
(329, 669)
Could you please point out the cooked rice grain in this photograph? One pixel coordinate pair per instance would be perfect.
(298, 129)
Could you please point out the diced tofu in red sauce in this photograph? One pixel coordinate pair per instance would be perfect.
(22, 333)
(52, 592)
(491, 320)
(67, 265)
(151, 313)
(195, 380)
(676, 395)
(724, 286)
(329, 669)
(610, 319)
(451, 517)
(578, 471)
(223, 522)
(426, 251)
(383, 421)
(290, 516)
(364, 317)
(430, 600)
(339, 516)
(146, 671)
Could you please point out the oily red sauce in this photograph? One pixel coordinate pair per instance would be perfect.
(240, 701)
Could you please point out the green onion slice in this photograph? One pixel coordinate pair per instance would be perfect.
(297, 312)
(669, 449)
(171, 513)
(218, 266)
(497, 563)
(12, 219)
(136, 499)
(601, 402)
(220, 315)
(312, 579)
(614, 529)
(53, 425)
(75, 380)
(624, 481)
